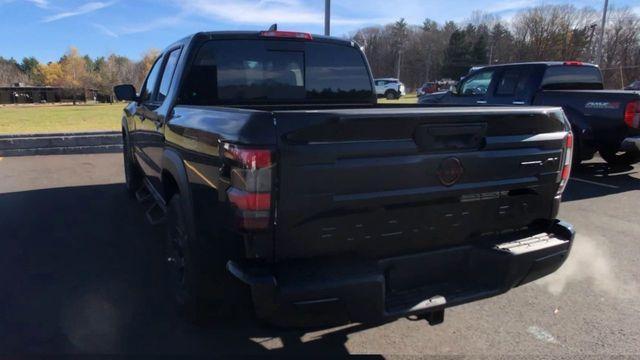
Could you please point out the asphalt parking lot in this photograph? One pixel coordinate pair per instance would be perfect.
(81, 272)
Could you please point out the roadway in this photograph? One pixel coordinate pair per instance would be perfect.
(81, 272)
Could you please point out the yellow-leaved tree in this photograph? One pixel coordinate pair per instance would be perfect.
(51, 73)
(144, 66)
(74, 71)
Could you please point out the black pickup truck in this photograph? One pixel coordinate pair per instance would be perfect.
(607, 121)
(278, 175)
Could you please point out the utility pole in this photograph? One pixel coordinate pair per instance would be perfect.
(592, 27)
(428, 67)
(601, 39)
(327, 17)
(491, 54)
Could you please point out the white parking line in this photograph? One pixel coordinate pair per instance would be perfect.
(541, 334)
(595, 183)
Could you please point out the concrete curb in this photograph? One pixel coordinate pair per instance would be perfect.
(60, 143)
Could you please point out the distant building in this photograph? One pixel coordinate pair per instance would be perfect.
(20, 93)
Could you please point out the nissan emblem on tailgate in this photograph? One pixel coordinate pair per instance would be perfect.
(450, 171)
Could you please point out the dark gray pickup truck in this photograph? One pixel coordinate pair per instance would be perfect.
(607, 121)
(278, 176)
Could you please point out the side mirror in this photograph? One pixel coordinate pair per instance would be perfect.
(125, 92)
(453, 89)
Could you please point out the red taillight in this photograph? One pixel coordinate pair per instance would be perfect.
(250, 191)
(248, 201)
(632, 114)
(573, 63)
(248, 158)
(287, 34)
(565, 172)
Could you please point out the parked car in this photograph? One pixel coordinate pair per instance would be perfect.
(389, 88)
(607, 121)
(427, 88)
(277, 174)
(633, 86)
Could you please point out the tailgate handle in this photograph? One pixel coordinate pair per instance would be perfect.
(451, 137)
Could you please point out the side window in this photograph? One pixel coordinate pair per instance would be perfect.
(167, 75)
(513, 83)
(476, 85)
(508, 83)
(152, 80)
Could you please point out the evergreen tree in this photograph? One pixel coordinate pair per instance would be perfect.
(399, 33)
(456, 57)
(31, 67)
(479, 54)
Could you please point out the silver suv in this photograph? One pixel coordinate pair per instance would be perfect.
(389, 88)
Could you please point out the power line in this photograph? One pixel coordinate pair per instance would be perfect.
(621, 67)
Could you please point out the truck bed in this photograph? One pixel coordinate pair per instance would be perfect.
(599, 111)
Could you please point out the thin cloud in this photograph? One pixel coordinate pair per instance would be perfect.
(152, 25)
(43, 4)
(264, 11)
(105, 30)
(84, 9)
(508, 6)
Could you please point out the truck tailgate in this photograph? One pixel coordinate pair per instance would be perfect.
(380, 182)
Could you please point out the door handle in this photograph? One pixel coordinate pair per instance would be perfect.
(481, 102)
(518, 103)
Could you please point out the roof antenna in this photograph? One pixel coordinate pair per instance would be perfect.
(273, 27)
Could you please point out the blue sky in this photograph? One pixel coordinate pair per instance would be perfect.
(46, 28)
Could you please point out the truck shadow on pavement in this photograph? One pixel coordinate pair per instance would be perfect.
(81, 272)
(595, 179)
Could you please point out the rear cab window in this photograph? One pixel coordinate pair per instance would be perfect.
(572, 77)
(235, 72)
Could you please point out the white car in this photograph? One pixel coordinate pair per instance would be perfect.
(389, 88)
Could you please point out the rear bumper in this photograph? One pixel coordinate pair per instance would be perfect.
(318, 293)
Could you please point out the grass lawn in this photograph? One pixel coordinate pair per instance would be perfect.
(33, 119)
(59, 118)
(408, 99)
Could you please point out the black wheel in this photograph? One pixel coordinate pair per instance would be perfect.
(391, 95)
(620, 158)
(186, 273)
(132, 173)
(577, 152)
(198, 279)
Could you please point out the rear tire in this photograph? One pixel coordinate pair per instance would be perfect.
(199, 283)
(620, 158)
(185, 272)
(576, 161)
(132, 174)
(391, 95)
